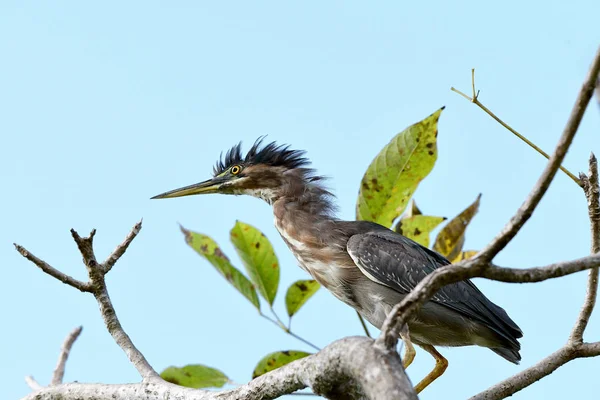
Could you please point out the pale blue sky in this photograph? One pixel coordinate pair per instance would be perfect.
(102, 107)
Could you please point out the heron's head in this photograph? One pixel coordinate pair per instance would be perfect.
(264, 172)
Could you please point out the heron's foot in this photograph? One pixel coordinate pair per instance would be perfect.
(440, 366)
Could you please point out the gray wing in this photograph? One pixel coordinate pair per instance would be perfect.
(393, 260)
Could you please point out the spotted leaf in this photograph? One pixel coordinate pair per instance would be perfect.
(277, 359)
(396, 171)
(298, 293)
(208, 249)
(195, 376)
(258, 257)
(450, 240)
(418, 227)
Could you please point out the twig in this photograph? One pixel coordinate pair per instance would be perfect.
(591, 188)
(120, 250)
(44, 266)
(280, 325)
(59, 371)
(475, 100)
(364, 325)
(32, 383)
(526, 210)
(598, 91)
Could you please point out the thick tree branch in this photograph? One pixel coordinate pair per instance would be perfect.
(59, 371)
(377, 374)
(406, 309)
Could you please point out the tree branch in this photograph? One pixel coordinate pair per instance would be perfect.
(59, 371)
(591, 188)
(120, 250)
(377, 373)
(476, 266)
(475, 100)
(527, 208)
(538, 371)
(97, 286)
(47, 268)
(574, 348)
(32, 383)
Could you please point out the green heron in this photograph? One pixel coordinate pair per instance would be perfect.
(365, 265)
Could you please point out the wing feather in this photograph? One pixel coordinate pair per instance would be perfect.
(393, 260)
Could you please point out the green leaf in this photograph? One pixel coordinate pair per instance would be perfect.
(195, 376)
(298, 293)
(277, 359)
(258, 257)
(396, 171)
(418, 227)
(451, 238)
(464, 255)
(207, 248)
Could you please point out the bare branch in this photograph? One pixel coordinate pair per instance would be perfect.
(538, 371)
(32, 383)
(527, 208)
(114, 327)
(528, 376)
(50, 270)
(97, 286)
(475, 100)
(59, 371)
(120, 250)
(539, 274)
(591, 188)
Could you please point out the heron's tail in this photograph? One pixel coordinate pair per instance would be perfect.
(509, 354)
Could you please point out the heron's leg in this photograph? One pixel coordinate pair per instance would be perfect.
(440, 366)
(409, 349)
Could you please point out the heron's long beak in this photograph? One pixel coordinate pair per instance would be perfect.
(209, 186)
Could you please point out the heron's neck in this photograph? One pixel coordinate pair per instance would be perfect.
(302, 208)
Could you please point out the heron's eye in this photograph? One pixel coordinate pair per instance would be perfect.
(236, 169)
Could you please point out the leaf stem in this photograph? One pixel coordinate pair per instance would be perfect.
(364, 325)
(475, 100)
(280, 325)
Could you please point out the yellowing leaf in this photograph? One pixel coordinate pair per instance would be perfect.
(418, 227)
(464, 255)
(396, 171)
(413, 209)
(298, 293)
(195, 376)
(451, 239)
(208, 249)
(258, 257)
(277, 359)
